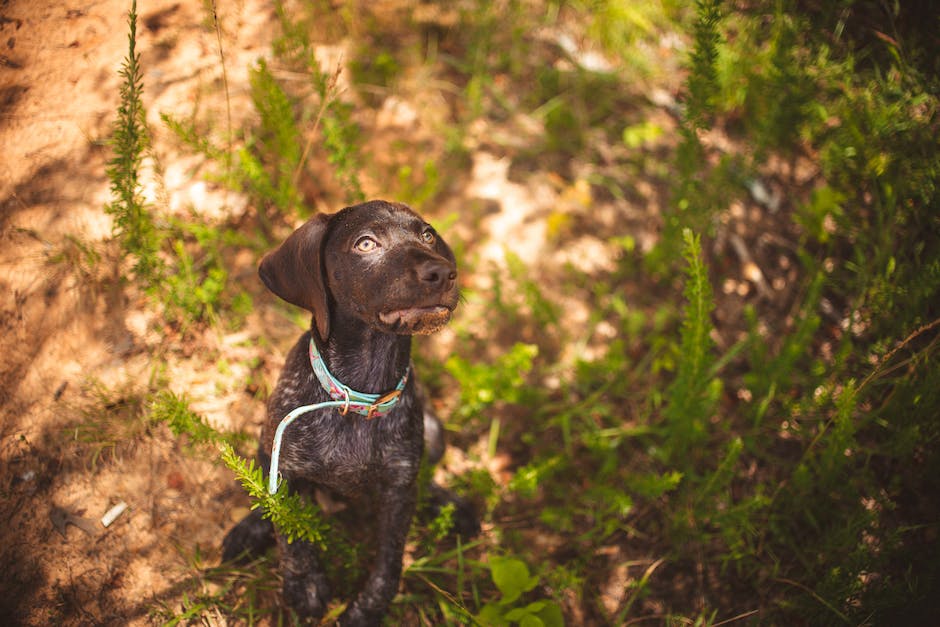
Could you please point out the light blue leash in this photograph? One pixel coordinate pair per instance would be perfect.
(369, 405)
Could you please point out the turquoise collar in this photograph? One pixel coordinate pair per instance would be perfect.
(369, 405)
(344, 399)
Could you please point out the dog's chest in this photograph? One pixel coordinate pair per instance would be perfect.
(349, 454)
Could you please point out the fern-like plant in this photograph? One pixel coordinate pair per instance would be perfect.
(295, 517)
(332, 118)
(692, 395)
(702, 83)
(133, 225)
(279, 138)
(692, 207)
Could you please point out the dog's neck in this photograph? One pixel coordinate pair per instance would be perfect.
(362, 357)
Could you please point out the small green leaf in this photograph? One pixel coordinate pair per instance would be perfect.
(512, 577)
(530, 620)
(641, 134)
(551, 615)
(520, 613)
(491, 616)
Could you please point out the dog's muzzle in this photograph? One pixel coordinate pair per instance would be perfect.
(417, 320)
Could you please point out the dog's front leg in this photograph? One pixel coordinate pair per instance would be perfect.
(396, 509)
(305, 587)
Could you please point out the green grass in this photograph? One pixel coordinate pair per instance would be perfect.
(112, 423)
(247, 594)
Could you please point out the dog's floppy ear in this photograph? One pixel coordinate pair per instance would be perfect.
(294, 271)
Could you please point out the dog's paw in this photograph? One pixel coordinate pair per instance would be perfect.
(466, 523)
(355, 616)
(252, 536)
(308, 596)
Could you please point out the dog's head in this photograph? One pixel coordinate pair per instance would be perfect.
(378, 261)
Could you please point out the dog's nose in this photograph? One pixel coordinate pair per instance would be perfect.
(436, 273)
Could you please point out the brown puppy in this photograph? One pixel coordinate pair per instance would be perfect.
(372, 275)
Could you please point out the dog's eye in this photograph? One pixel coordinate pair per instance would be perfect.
(366, 244)
(428, 236)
